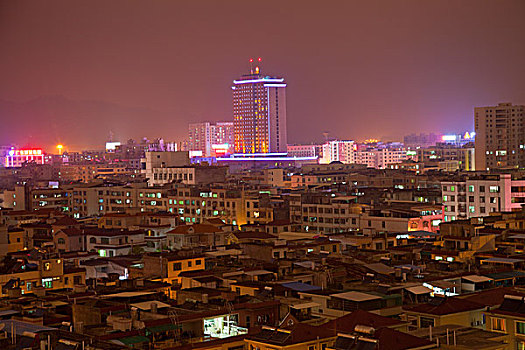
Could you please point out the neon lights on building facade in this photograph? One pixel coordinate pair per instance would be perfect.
(259, 111)
(17, 157)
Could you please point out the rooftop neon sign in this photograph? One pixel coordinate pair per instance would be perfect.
(26, 152)
(262, 80)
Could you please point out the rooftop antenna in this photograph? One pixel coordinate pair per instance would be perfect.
(259, 60)
(251, 65)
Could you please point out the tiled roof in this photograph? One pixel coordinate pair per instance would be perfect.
(215, 221)
(104, 232)
(197, 228)
(65, 221)
(493, 296)
(445, 306)
(279, 222)
(348, 322)
(72, 231)
(297, 334)
(253, 235)
(390, 339)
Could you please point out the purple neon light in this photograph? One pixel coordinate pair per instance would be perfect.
(263, 80)
(266, 159)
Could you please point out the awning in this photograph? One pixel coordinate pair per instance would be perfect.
(355, 296)
(226, 252)
(134, 340)
(300, 287)
(127, 294)
(380, 268)
(304, 306)
(56, 303)
(64, 344)
(443, 284)
(418, 290)
(502, 260)
(146, 305)
(163, 328)
(258, 272)
(499, 276)
(8, 312)
(477, 279)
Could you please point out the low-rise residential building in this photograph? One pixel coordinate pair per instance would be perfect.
(441, 311)
(114, 242)
(509, 318)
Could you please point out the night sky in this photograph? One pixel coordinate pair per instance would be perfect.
(72, 71)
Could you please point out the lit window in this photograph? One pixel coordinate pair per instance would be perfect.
(498, 324)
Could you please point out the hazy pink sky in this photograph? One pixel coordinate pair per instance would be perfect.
(356, 69)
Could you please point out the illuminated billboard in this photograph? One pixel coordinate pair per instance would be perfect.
(112, 146)
(18, 157)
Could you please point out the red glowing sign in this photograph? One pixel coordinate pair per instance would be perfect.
(26, 152)
(16, 157)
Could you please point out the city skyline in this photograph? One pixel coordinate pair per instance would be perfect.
(412, 68)
(262, 175)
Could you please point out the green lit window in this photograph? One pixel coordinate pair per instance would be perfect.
(520, 327)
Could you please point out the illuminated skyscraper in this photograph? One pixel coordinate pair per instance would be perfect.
(259, 113)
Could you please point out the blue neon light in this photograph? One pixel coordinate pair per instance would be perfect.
(274, 85)
(258, 154)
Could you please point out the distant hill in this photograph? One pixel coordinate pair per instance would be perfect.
(47, 120)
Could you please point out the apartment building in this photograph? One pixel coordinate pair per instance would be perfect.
(234, 206)
(480, 195)
(500, 136)
(99, 199)
(338, 151)
(191, 175)
(326, 214)
(463, 157)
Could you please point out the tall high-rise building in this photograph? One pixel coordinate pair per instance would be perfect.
(209, 137)
(259, 113)
(500, 136)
